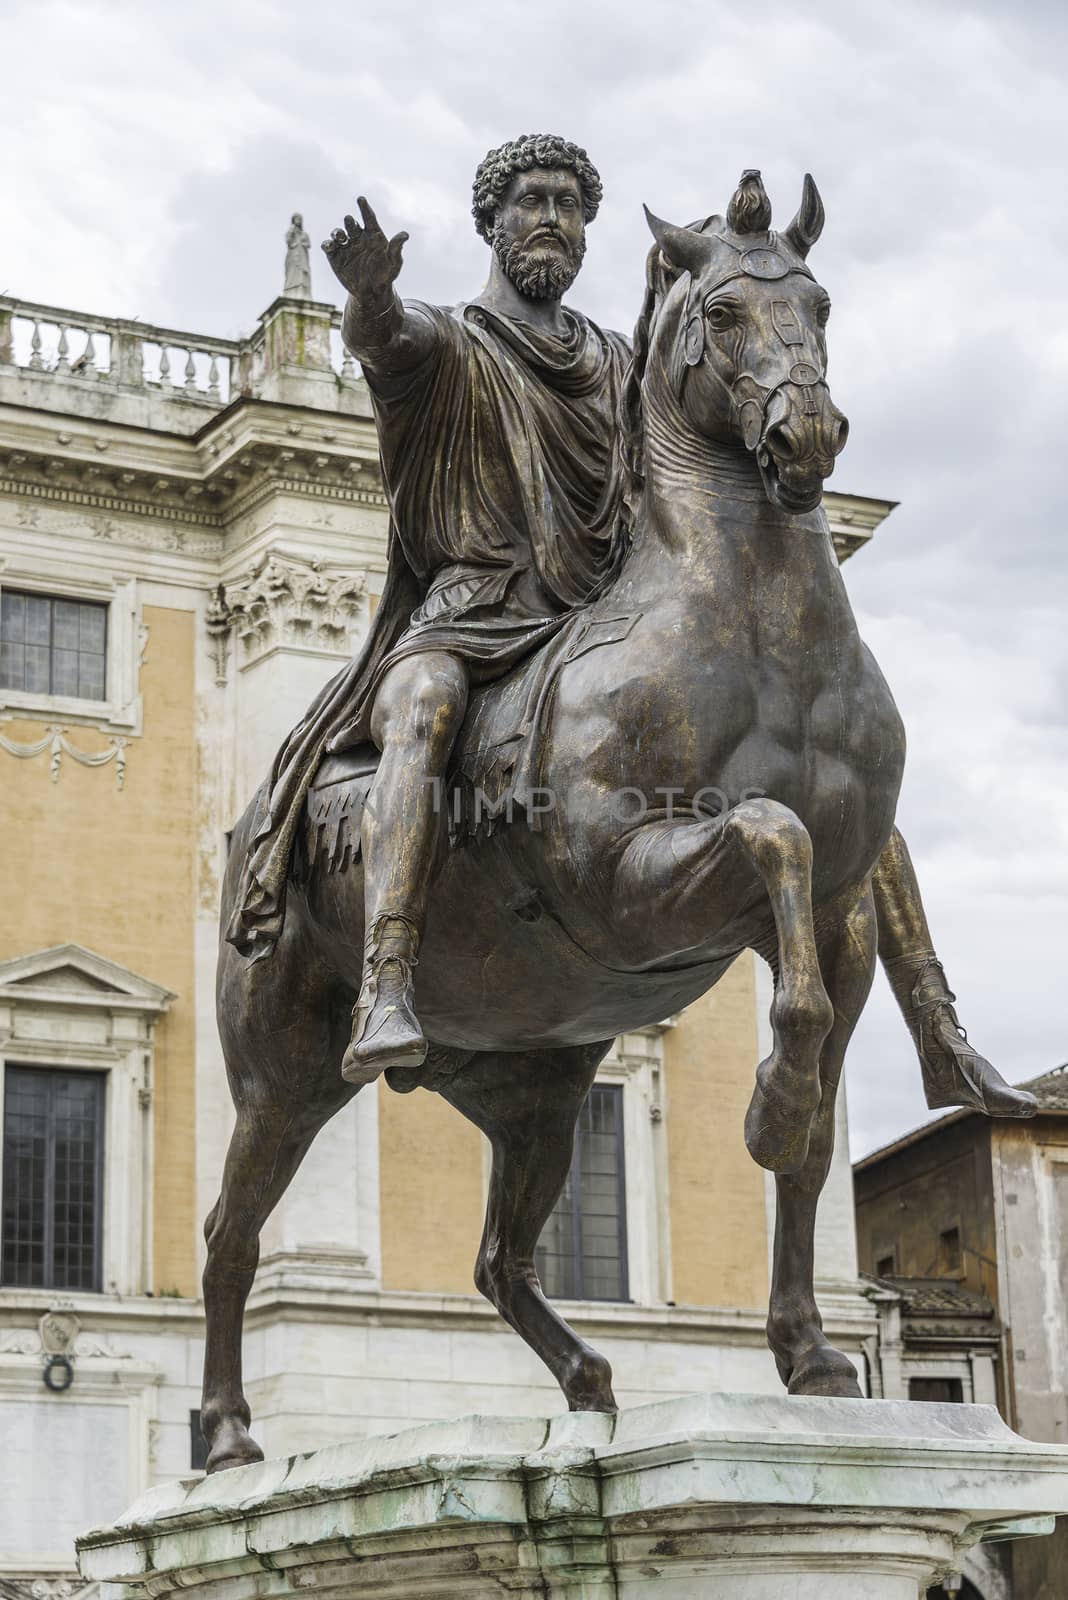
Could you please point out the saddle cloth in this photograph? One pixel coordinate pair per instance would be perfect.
(496, 765)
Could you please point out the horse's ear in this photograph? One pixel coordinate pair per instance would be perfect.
(807, 226)
(685, 249)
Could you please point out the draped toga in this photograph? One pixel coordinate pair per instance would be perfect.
(498, 451)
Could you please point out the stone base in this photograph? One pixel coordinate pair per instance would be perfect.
(744, 1497)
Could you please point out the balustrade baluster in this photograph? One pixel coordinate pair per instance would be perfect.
(348, 366)
(214, 391)
(87, 365)
(190, 371)
(164, 368)
(36, 364)
(62, 364)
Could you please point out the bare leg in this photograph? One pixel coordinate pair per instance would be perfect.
(527, 1105)
(807, 1362)
(690, 878)
(418, 712)
(954, 1073)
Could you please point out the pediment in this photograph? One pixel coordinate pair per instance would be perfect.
(72, 975)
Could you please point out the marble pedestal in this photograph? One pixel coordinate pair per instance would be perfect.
(744, 1497)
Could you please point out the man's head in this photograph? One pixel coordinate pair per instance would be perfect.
(532, 200)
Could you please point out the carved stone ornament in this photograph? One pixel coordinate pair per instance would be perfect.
(59, 1332)
(56, 743)
(284, 603)
(56, 1587)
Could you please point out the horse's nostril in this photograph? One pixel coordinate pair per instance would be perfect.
(841, 435)
(781, 443)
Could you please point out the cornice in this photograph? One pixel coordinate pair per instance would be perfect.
(67, 494)
(853, 519)
(233, 489)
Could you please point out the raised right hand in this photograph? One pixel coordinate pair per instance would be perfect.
(364, 260)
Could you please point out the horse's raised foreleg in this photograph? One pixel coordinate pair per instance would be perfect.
(527, 1104)
(807, 1362)
(954, 1072)
(684, 884)
(283, 1045)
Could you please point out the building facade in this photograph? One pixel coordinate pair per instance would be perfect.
(192, 540)
(963, 1225)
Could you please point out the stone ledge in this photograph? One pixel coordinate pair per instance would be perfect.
(845, 1314)
(720, 1487)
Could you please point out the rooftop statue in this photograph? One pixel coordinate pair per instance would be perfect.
(298, 260)
(613, 725)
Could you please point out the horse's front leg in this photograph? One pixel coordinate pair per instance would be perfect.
(807, 1362)
(680, 886)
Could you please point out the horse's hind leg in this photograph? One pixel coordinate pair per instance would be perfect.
(807, 1362)
(527, 1104)
(285, 1083)
(682, 883)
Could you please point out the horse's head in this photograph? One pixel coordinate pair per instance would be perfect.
(740, 332)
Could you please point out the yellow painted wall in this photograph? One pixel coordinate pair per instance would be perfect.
(718, 1220)
(431, 1186)
(88, 864)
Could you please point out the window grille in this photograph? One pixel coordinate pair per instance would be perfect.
(49, 645)
(52, 1178)
(582, 1254)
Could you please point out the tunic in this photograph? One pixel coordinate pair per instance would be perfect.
(498, 449)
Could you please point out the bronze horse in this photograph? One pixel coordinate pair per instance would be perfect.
(731, 662)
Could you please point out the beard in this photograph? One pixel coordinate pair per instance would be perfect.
(537, 271)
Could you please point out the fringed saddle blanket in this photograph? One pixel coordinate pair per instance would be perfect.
(495, 772)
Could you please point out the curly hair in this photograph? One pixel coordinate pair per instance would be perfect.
(497, 169)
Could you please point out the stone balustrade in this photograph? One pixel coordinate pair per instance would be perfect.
(132, 355)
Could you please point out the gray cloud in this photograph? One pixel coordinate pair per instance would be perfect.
(155, 176)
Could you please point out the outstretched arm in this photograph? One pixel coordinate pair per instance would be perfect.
(376, 326)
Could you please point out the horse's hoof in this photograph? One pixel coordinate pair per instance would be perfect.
(955, 1074)
(823, 1370)
(588, 1385)
(778, 1143)
(234, 1446)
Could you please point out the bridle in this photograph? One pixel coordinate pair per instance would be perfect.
(752, 406)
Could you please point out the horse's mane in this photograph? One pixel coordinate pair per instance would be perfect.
(660, 275)
(631, 425)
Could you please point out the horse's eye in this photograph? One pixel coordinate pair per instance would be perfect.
(823, 312)
(719, 317)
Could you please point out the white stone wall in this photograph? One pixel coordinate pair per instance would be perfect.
(1031, 1211)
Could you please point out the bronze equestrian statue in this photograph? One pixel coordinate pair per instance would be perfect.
(615, 633)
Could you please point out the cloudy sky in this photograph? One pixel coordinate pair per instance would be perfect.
(153, 154)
